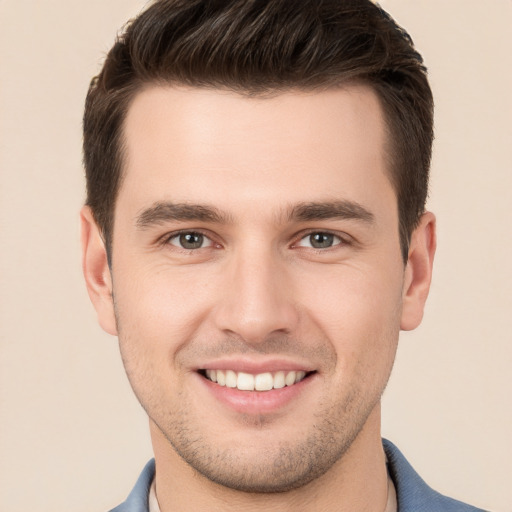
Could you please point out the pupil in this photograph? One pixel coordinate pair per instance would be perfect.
(321, 240)
(191, 240)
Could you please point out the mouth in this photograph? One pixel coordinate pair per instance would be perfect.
(265, 381)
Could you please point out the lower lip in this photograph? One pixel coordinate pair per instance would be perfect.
(257, 402)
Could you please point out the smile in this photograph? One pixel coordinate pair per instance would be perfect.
(259, 382)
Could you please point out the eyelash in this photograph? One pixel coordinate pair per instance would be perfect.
(341, 240)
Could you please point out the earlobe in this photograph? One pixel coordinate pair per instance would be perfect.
(96, 271)
(418, 272)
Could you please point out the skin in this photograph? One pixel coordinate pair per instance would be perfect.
(257, 292)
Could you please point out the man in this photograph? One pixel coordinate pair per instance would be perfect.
(256, 236)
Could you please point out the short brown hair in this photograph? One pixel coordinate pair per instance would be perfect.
(255, 47)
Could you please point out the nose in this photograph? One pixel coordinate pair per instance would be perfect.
(258, 298)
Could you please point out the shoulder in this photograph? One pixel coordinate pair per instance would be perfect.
(413, 494)
(137, 500)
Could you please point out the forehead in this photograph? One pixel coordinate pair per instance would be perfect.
(193, 143)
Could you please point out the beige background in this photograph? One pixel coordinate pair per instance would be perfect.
(73, 438)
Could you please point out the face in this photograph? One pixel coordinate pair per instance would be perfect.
(257, 277)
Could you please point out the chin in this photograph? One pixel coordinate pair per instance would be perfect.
(260, 466)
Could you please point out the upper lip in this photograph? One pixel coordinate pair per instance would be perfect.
(256, 366)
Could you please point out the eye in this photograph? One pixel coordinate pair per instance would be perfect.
(320, 240)
(190, 240)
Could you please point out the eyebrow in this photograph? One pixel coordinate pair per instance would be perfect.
(341, 209)
(162, 212)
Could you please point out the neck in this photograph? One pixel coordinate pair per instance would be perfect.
(356, 482)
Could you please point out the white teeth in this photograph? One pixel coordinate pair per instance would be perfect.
(260, 382)
(221, 378)
(263, 382)
(290, 378)
(231, 379)
(279, 380)
(245, 382)
(300, 375)
(212, 375)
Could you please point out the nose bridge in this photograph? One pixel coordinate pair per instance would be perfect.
(257, 299)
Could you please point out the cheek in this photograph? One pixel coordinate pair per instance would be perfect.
(157, 313)
(359, 312)
(160, 303)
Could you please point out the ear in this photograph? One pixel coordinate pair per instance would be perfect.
(96, 271)
(418, 272)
